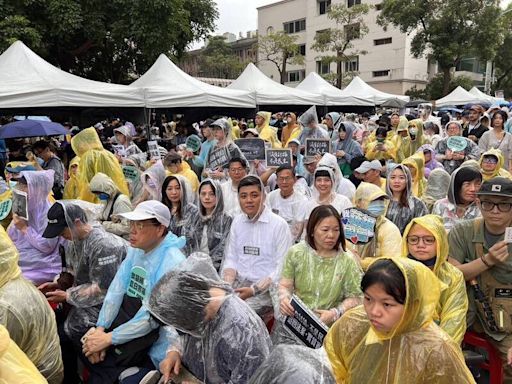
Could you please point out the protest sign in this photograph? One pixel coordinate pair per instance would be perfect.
(278, 157)
(154, 152)
(457, 143)
(358, 225)
(317, 146)
(193, 143)
(130, 173)
(119, 150)
(252, 149)
(20, 204)
(5, 208)
(306, 325)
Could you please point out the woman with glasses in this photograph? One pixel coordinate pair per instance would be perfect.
(426, 241)
(498, 138)
(491, 165)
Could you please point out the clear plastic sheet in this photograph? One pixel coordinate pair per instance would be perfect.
(437, 187)
(152, 180)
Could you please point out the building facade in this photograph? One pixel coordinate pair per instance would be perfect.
(387, 66)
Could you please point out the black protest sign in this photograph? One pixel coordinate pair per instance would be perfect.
(278, 157)
(252, 149)
(305, 325)
(317, 146)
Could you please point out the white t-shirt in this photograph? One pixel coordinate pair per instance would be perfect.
(340, 203)
(230, 195)
(255, 250)
(292, 209)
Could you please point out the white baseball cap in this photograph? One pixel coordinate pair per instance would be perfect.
(151, 209)
(367, 165)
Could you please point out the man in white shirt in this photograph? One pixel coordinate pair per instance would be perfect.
(257, 243)
(288, 203)
(237, 170)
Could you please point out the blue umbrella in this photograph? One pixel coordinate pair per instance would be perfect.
(31, 128)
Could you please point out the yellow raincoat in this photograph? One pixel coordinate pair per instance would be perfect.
(417, 351)
(419, 183)
(387, 240)
(71, 187)
(93, 159)
(499, 170)
(409, 147)
(453, 304)
(25, 312)
(15, 365)
(266, 132)
(187, 173)
(388, 154)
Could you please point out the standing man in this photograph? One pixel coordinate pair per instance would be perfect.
(46, 151)
(209, 142)
(257, 243)
(473, 130)
(479, 250)
(237, 170)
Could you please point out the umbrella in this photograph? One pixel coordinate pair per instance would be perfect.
(394, 103)
(31, 128)
(415, 103)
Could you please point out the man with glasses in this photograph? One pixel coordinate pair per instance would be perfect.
(128, 343)
(479, 250)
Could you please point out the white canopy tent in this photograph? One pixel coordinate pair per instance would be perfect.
(458, 96)
(360, 89)
(167, 86)
(483, 96)
(26, 80)
(332, 95)
(269, 92)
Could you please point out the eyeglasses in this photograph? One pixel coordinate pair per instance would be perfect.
(490, 160)
(236, 170)
(427, 240)
(139, 226)
(489, 206)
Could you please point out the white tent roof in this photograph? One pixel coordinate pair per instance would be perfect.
(332, 95)
(458, 96)
(269, 92)
(167, 86)
(358, 88)
(482, 96)
(26, 80)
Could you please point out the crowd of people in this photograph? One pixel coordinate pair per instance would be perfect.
(126, 263)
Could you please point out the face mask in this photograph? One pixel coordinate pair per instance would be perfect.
(289, 120)
(428, 263)
(380, 139)
(376, 208)
(151, 184)
(413, 131)
(103, 196)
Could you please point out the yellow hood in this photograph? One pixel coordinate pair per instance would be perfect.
(86, 140)
(8, 259)
(366, 193)
(499, 170)
(417, 161)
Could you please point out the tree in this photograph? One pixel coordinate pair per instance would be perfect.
(434, 88)
(218, 60)
(350, 26)
(503, 59)
(281, 49)
(447, 30)
(106, 40)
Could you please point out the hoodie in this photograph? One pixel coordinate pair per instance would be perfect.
(348, 145)
(266, 132)
(417, 161)
(433, 163)
(499, 170)
(412, 143)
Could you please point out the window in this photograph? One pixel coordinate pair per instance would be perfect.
(302, 49)
(351, 3)
(378, 7)
(295, 26)
(324, 6)
(322, 68)
(352, 65)
(381, 73)
(296, 76)
(352, 31)
(386, 40)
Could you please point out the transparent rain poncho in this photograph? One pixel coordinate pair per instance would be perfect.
(25, 312)
(151, 266)
(415, 351)
(152, 180)
(310, 127)
(181, 220)
(342, 185)
(93, 159)
(226, 348)
(294, 364)
(437, 187)
(348, 145)
(417, 162)
(16, 367)
(208, 233)
(453, 302)
(40, 260)
(93, 257)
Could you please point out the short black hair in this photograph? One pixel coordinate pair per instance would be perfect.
(42, 145)
(248, 181)
(284, 168)
(381, 131)
(239, 160)
(386, 273)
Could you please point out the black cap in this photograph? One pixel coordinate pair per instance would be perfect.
(497, 186)
(56, 221)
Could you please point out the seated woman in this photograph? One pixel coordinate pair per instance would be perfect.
(324, 192)
(152, 180)
(437, 187)
(416, 165)
(393, 338)
(403, 205)
(492, 165)
(460, 204)
(381, 149)
(429, 154)
(426, 241)
(387, 238)
(209, 227)
(345, 148)
(40, 260)
(177, 196)
(320, 272)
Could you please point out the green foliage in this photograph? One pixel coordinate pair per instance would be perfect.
(218, 60)
(339, 41)
(503, 59)
(106, 40)
(434, 89)
(415, 94)
(447, 30)
(281, 49)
